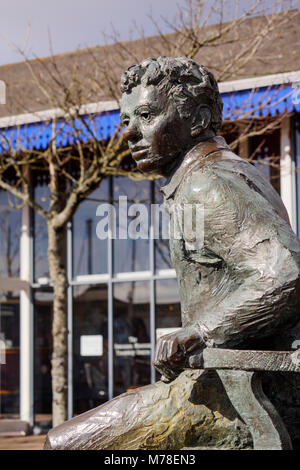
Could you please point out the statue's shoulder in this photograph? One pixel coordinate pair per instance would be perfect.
(206, 179)
(223, 175)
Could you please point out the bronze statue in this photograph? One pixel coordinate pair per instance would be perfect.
(241, 285)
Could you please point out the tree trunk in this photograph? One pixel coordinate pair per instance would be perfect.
(58, 274)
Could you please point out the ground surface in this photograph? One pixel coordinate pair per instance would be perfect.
(22, 443)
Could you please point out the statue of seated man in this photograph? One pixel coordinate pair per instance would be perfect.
(238, 285)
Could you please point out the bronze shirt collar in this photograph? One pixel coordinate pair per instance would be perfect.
(199, 152)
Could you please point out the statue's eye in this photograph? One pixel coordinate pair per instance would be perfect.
(145, 115)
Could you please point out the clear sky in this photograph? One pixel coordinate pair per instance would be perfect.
(75, 24)
(72, 23)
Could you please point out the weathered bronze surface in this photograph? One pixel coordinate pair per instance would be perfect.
(237, 359)
(193, 409)
(241, 285)
(241, 372)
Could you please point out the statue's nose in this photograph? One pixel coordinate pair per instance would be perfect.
(131, 134)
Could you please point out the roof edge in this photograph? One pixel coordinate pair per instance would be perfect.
(55, 113)
(103, 106)
(260, 81)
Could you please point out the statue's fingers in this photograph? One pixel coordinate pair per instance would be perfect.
(158, 351)
(167, 373)
(165, 379)
(175, 352)
(195, 343)
(158, 359)
(165, 350)
(161, 370)
(172, 348)
(162, 351)
(169, 376)
(164, 375)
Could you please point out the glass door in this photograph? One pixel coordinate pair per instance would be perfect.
(9, 355)
(90, 347)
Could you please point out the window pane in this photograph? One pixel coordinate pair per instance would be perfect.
(168, 313)
(167, 304)
(43, 311)
(265, 151)
(131, 336)
(90, 379)
(90, 253)
(131, 254)
(41, 195)
(9, 355)
(161, 244)
(10, 232)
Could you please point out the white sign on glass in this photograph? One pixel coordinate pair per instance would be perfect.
(91, 345)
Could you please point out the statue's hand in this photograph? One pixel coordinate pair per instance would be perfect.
(173, 351)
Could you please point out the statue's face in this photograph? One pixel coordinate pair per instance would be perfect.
(156, 133)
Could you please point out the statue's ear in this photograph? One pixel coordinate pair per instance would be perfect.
(202, 120)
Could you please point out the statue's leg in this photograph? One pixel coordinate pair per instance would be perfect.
(191, 411)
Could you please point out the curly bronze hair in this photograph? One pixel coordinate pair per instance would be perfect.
(190, 84)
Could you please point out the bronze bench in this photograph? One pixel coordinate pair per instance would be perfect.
(240, 372)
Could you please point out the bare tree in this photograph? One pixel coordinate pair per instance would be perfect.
(76, 169)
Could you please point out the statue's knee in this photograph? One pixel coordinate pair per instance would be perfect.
(48, 444)
(58, 438)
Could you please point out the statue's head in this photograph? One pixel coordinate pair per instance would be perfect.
(168, 105)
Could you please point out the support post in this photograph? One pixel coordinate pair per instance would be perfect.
(26, 323)
(245, 393)
(287, 173)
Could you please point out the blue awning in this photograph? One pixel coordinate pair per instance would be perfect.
(39, 135)
(265, 101)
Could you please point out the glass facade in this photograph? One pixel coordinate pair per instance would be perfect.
(161, 223)
(137, 290)
(124, 285)
(41, 195)
(168, 314)
(132, 348)
(90, 253)
(10, 232)
(130, 254)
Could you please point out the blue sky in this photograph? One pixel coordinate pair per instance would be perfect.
(74, 24)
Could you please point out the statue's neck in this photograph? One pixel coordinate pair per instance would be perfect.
(169, 170)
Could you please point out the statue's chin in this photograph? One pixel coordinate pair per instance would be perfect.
(155, 165)
(149, 165)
